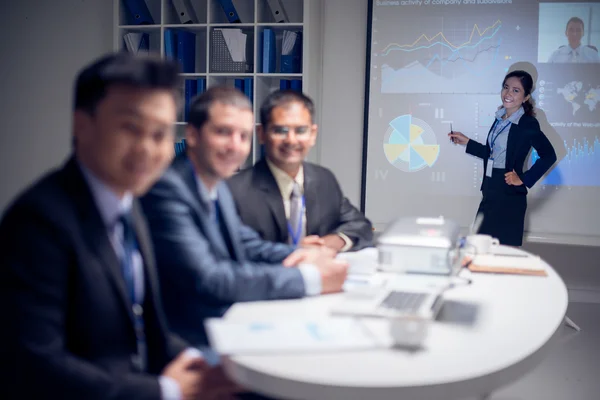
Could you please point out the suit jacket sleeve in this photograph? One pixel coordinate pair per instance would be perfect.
(477, 149)
(35, 263)
(263, 251)
(355, 225)
(183, 253)
(544, 148)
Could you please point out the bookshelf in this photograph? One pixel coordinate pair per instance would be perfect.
(255, 15)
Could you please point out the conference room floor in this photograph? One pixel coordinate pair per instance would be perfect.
(570, 371)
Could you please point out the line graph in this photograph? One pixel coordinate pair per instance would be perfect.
(444, 41)
(580, 167)
(444, 61)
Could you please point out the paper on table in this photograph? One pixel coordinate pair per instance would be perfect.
(364, 261)
(288, 336)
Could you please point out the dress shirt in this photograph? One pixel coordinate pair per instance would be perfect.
(582, 54)
(285, 183)
(501, 141)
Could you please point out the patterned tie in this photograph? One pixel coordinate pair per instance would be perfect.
(129, 248)
(296, 211)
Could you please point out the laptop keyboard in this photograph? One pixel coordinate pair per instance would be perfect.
(404, 301)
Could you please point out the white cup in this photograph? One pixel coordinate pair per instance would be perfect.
(481, 244)
(409, 331)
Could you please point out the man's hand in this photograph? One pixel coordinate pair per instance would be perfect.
(511, 178)
(312, 241)
(334, 241)
(187, 371)
(308, 255)
(216, 386)
(333, 274)
(197, 380)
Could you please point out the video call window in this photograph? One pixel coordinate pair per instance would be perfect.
(569, 33)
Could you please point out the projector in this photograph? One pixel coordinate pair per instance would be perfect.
(419, 245)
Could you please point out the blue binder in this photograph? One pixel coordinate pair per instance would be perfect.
(186, 51)
(138, 10)
(269, 51)
(248, 87)
(230, 12)
(296, 84)
(284, 84)
(200, 85)
(190, 88)
(239, 84)
(170, 44)
(292, 63)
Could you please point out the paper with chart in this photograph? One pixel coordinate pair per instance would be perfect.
(281, 336)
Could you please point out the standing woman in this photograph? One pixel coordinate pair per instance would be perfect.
(514, 132)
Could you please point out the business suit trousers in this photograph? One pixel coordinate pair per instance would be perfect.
(503, 210)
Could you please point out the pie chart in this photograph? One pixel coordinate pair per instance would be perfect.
(410, 144)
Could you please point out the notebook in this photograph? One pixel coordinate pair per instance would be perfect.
(520, 264)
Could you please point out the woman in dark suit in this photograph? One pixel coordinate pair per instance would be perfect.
(514, 132)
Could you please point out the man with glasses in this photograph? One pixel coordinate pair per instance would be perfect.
(286, 199)
(206, 258)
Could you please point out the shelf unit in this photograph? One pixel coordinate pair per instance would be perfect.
(255, 15)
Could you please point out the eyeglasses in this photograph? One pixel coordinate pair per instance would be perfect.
(280, 130)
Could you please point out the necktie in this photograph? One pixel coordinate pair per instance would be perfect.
(296, 211)
(129, 248)
(218, 219)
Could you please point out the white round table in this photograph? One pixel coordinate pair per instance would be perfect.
(515, 321)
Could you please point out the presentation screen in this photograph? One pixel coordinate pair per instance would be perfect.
(437, 65)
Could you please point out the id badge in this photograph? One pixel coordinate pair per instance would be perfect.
(490, 166)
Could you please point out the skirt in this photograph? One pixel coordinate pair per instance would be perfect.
(503, 210)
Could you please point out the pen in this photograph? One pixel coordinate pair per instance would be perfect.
(451, 131)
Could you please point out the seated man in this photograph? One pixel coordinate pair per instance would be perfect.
(282, 188)
(78, 290)
(207, 259)
(575, 52)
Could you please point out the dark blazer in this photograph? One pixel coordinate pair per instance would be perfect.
(521, 138)
(260, 205)
(68, 329)
(199, 275)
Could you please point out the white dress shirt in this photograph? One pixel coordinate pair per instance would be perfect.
(582, 54)
(285, 183)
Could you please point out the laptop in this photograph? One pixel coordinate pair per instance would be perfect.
(406, 296)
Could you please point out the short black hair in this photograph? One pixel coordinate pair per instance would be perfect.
(280, 98)
(122, 68)
(226, 95)
(575, 19)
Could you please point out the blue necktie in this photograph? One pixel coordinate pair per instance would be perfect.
(129, 249)
(296, 211)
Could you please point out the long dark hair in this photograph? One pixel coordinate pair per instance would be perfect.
(527, 82)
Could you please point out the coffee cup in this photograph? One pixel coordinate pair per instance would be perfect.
(481, 244)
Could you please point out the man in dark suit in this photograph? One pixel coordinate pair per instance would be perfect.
(293, 189)
(79, 295)
(207, 259)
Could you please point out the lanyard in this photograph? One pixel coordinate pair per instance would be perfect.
(296, 235)
(493, 138)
